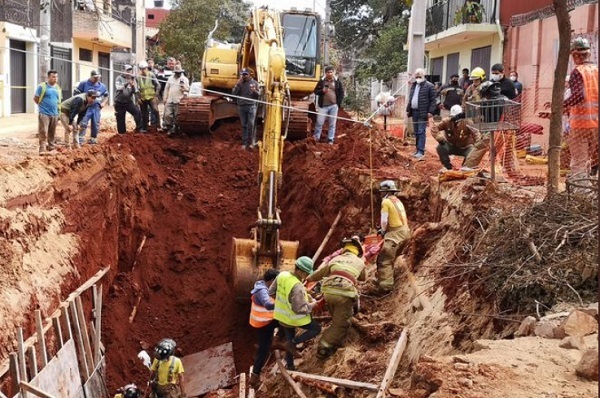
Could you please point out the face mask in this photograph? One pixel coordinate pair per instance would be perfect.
(419, 80)
(495, 78)
(513, 78)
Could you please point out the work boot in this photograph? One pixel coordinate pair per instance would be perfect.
(291, 348)
(254, 380)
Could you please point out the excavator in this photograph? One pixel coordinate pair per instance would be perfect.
(282, 51)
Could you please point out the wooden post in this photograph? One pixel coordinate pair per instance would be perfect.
(21, 356)
(79, 340)
(98, 325)
(67, 322)
(251, 393)
(340, 382)
(84, 334)
(15, 374)
(41, 338)
(242, 389)
(33, 368)
(287, 376)
(393, 364)
(34, 390)
(58, 332)
(326, 239)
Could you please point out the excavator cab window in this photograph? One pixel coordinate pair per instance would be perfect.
(300, 40)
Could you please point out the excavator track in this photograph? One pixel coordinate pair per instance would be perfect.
(300, 121)
(194, 115)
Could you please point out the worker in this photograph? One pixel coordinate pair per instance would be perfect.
(451, 93)
(261, 318)
(472, 92)
(75, 107)
(148, 87)
(248, 92)
(293, 307)
(166, 379)
(395, 232)
(514, 76)
(329, 93)
(126, 86)
(177, 87)
(129, 391)
(465, 80)
(93, 112)
(47, 97)
(507, 86)
(454, 136)
(340, 276)
(582, 106)
(420, 105)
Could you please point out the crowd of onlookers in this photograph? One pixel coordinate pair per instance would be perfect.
(138, 91)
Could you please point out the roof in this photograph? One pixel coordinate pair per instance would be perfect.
(154, 16)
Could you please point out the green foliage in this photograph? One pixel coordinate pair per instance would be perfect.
(184, 32)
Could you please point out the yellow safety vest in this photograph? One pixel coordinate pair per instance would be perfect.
(283, 308)
(259, 315)
(147, 90)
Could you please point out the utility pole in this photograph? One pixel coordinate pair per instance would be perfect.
(44, 51)
(327, 31)
(416, 35)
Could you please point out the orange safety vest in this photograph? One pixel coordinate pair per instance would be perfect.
(259, 315)
(585, 114)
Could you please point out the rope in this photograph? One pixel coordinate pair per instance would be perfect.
(371, 176)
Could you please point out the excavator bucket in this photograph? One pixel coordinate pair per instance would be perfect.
(245, 270)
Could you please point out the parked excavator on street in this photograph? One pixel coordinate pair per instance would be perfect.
(282, 51)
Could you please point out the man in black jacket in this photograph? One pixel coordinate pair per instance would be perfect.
(330, 93)
(420, 107)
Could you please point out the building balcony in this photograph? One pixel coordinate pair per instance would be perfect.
(450, 22)
(18, 13)
(101, 28)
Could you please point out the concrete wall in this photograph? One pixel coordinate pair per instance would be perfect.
(11, 31)
(82, 69)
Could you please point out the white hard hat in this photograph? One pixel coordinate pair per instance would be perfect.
(455, 110)
(143, 64)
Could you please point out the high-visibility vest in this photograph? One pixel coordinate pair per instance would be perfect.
(585, 114)
(259, 315)
(146, 83)
(283, 308)
(45, 87)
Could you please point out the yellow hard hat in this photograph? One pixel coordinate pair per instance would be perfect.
(478, 73)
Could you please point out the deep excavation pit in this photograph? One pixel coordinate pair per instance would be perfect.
(161, 212)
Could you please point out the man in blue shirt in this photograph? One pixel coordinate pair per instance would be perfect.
(48, 96)
(93, 111)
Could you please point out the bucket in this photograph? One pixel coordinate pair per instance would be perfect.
(372, 239)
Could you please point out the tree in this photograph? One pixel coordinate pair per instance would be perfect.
(184, 32)
(558, 90)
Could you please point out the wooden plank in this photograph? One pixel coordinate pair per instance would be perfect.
(34, 390)
(32, 359)
(287, 376)
(393, 364)
(84, 333)
(15, 374)
(209, 370)
(98, 331)
(61, 377)
(79, 339)
(89, 283)
(334, 380)
(326, 239)
(41, 339)
(66, 318)
(242, 385)
(58, 332)
(21, 354)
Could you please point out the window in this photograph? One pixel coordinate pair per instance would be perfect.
(86, 55)
(451, 65)
(300, 41)
(150, 16)
(437, 66)
(481, 57)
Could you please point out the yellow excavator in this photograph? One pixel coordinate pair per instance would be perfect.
(282, 49)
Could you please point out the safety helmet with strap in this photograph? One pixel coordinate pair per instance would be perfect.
(131, 391)
(580, 44)
(388, 186)
(478, 73)
(355, 241)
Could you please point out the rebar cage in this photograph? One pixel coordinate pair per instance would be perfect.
(494, 115)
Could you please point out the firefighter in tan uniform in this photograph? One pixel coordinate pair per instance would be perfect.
(340, 276)
(582, 105)
(394, 228)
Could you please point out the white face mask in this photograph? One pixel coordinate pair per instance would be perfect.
(495, 78)
(513, 78)
(419, 80)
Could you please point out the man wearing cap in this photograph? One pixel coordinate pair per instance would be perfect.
(293, 307)
(93, 111)
(75, 107)
(148, 87)
(582, 106)
(176, 88)
(454, 136)
(340, 276)
(125, 100)
(395, 232)
(248, 92)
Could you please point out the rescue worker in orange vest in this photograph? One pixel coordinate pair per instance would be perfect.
(293, 308)
(582, 106)
(340, 276)
(261, 318)
(395, 231)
